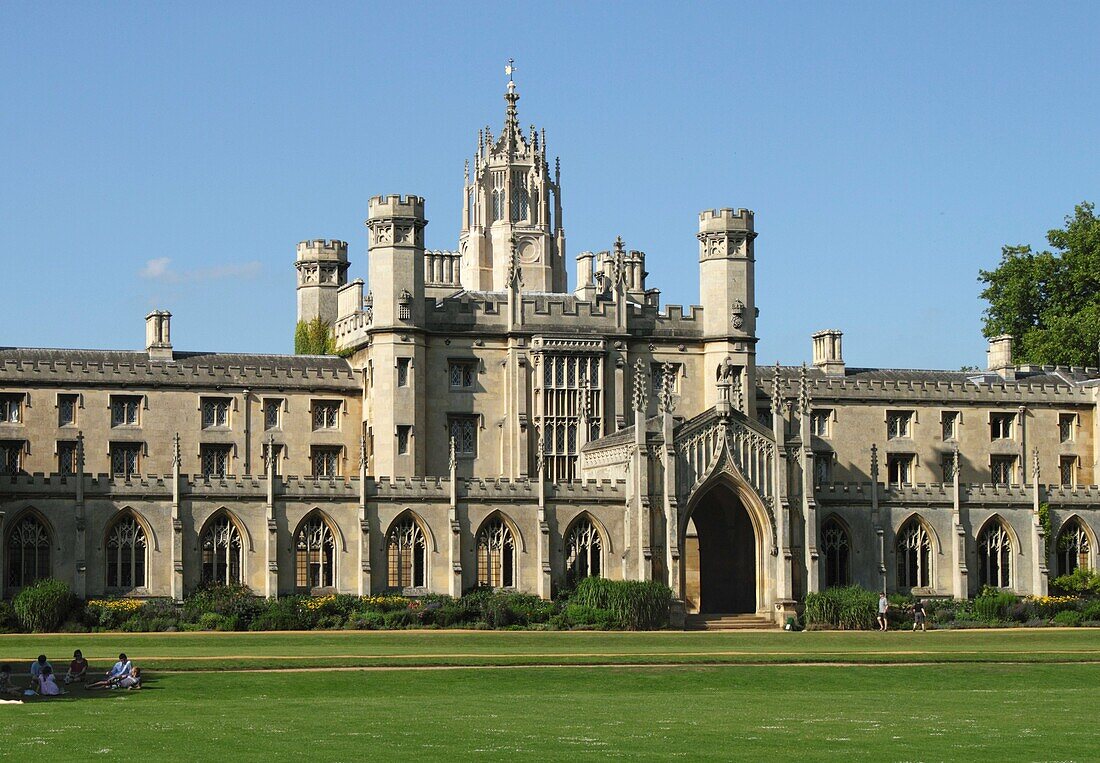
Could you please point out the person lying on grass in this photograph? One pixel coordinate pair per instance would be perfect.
(130, 681)
(6, 687)
(47, 686)
(120, 669)
(78, 668)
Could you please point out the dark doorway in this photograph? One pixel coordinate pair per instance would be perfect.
(725, 553)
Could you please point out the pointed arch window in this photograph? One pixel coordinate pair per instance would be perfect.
(914, 552)
(406, 554)
(1073, 547)
(28, 552)
(584, 550)
(995, 556)
(127, 555)
(222, 552)
(837, 549)
(496, 555)
(315, 555)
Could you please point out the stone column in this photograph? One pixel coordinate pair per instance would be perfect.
(80, 574)
(543, 560)
(363, 546)
(876, 521)
(809, 502)
(1039, 572)
(958, 539)
(454, 540)
(783, 587)
(271, 539)
(640, 503)
(177, 523)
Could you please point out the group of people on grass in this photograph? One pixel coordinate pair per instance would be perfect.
(920, 614)
(122, 675)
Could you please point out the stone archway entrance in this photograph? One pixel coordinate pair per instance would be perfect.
(719, 550)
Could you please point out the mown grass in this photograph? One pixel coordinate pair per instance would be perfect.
(183, 651)
(942, 712)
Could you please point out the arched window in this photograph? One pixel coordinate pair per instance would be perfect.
(315, 555)
(1073, 547)
(127, 549)
(406, 554)
(914, 551)
(995, 556)
(584, 550)
(496, 555)
(221, 552)
(836, 546)
(28, 552)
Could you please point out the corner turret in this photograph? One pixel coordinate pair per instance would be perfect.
(322, 269)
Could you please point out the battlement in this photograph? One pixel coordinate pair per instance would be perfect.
(713, 220)
(396, 206)
(323, 249)
(932, 493)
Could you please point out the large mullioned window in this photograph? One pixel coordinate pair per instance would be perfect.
(127, 555)
(496, 555)
(836, 549)
(28, 552)
(571, 389)
(406, 554)
(584, 550)
(995, 556)
(1072, 547)
(315, 555)
(222, 551)
(914, 556)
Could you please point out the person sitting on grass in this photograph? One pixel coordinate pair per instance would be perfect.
(38, 666)
(131, 680)
(47, 686)
(6, 687)
(120, 669)
(78, 668)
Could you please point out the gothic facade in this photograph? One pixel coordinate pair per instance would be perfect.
(485, 425)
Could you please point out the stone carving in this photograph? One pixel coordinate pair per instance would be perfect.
(666, 403)
(641, 387)
(737, 316)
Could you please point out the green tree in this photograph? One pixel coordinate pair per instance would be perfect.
(1049, 301)
(314, 337)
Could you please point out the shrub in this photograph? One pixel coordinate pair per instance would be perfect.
(73, 626)
(1091, 611)
(230, 600)
(9, 621)
(365, 621)
(401, 618)
(212, 621)
(580, 615)
(1080, 582)
(278, 615)
(110, 614)
(993, 605)
(42, 606)
(848, 608)
(636, 604)
(1047, 607)
(1069, 617)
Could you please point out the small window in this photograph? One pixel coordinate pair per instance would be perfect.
(657, 374)
(1003, 470)
(464, 434)
(1000, 426)
(11, 408)
(66, 457)
(325, 460)
(124, 410)
(403, 365)
(326, 414)
(273, 412)
(819, 422)
(404, 431)
(823, 468)
(66, 410)
(461, 375)
(949, 420)
(404, 312)
(215, 460)
(125, 458)
(1067, 426)
(215, 412)
(11, 456)
(1067, 470)
(947, 466)
(899, 424)
(899, 468)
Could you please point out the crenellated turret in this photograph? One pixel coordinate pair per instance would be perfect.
(322, 269)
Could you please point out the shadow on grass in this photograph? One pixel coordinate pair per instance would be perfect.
(80, 692)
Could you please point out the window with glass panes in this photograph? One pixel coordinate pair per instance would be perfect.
(1067, 425)
(1003, 470)
(124, 410)
(273, 451)
(66, 457)
(125, 458)
(1067, 470)
(273, 408)
(403, 366)
(947, 467)
(11, 456)
(66, 410)
(11, 408)
(461, 374)
(215, 459)
(571, 387)
(823, 468)
(215, 412)
(326, 414)
(949, 420)
(464, 434)
(899, 424)
(325, 460)
(899, 468)
(1000, 426)
(819, 422)
(404, 436)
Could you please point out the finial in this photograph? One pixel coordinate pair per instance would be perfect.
(177, 458)
(513, 262)
(454, 455)
(362, 452)
(874, 460)
(641, 391)
(1035, 463)
(803, 390)
(467, 172)
(955, 462)
(666, 402)
(510, 69)
(80, 451)
(539, 451)
(557, 169)
(544, 139)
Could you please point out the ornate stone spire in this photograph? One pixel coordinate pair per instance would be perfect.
(803, 390)
(641, 390)
(618, 262)
(666, 402)
(513, 134)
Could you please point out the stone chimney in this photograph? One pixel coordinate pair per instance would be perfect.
(158, 335)
(828, 354)
(999, 357)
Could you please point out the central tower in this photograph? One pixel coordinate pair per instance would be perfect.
(511, 197)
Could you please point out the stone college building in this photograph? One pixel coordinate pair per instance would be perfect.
(484, 424)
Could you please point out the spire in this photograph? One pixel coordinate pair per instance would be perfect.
(513, 135)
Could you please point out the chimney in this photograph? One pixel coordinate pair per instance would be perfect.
(585, 288)
(158, 335)
(828, 355)
(999, 357)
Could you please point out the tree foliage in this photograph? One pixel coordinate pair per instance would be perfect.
(1049, 301)
(314, 337)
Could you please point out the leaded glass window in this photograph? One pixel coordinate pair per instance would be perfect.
(1003, 470)
(11, 408)
(126, 555)
(461, 375)
(571, 408)
(315, 555)
(215, 460)
(406, 554)
(11, 456)
(124, 410)
(215, 412)
(819, 422)
(1067, 425)
(836, 548)
(66, 457)
(584, 550)
(326, 414)
(914, 556)
(464, 435)
(496, 555)
(28, 553)
(1072, 548)
(273, 408)
(325, 460)
(949, 421)
(1000, 426)
(823, 468)
(66, 410)
(125, 458)
(899, 468)
(995, 556)
(222, 551)
(404, 435)
(403, 366)
(899, 424)
(1067, 470)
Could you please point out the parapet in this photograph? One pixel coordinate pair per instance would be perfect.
(725, 219)
(396, 206)
(323, 249)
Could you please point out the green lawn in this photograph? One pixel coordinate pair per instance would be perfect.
(995, 695)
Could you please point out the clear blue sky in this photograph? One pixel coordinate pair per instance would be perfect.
(172, 154)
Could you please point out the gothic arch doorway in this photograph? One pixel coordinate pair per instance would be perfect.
(720, 554)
